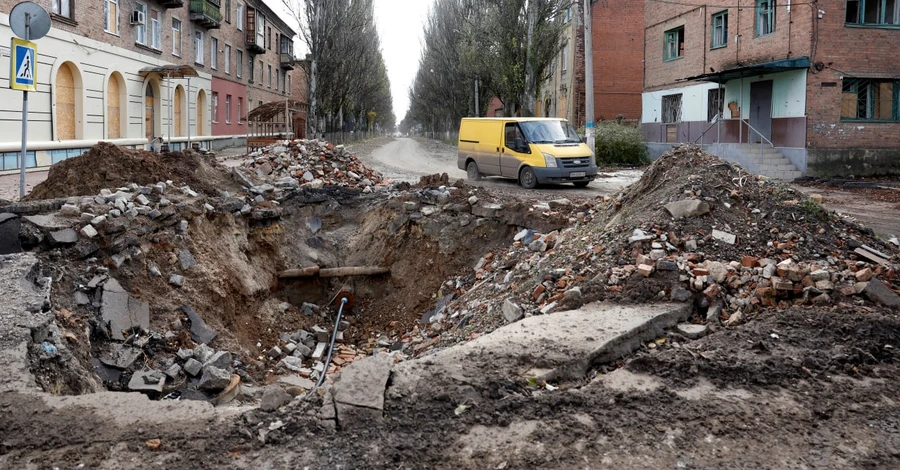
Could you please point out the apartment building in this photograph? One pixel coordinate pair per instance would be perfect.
(142, 73)
(616, 36)
(783, 88)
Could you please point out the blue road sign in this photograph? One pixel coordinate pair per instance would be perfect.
(23, 65)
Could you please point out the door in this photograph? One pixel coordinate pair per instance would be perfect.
(761, 110)
(148, 113)
(489, 134)
(510, 158)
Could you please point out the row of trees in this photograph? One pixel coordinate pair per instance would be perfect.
(347, 74)
(500, 48)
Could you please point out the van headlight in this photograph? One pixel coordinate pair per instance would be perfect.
(549, 160)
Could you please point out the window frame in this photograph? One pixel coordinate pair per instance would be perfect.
(56, 7)
(227, 109)
(106, 18)
(239, 63)
(720, 97)
(270, 76)
(680, 111)
(155, 30)
(213, 53)
(227, 15)
(227, 59)
(870, 85)
(240, 109)
(769, 14)
(881, 22)
(215, 107)
(198, 47)
(140, 34)
(722, 15)
(179, 33)
(674, 36)
(240, 16)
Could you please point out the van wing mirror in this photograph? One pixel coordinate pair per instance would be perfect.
(520, 145)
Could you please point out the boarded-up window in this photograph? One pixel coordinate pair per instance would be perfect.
(870, 99)
(179, 99)
(65, 103)
(671, 108)
(113, 123)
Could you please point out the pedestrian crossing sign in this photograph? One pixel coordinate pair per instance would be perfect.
(23, 65)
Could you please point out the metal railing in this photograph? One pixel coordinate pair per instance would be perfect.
(206, 8)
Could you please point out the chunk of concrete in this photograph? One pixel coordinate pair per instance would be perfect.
(65, 236)
(559, 346)
(692, 331)
(10, 227)
(512, 312)
(193, 367)
(358, 390)
(297, 381)
(687, 208)
(121, 311)
(147, 381)
(274, 397)
(214, 379)
(200, 331)
(120, 356)
(221, 360)
(186, 260)
(876, 291)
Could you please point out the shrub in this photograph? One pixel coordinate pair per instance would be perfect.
(620, 144)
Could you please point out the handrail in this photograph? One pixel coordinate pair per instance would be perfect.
(758, 132)
(715, 121)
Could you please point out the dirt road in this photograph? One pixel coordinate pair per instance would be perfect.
(407, 159)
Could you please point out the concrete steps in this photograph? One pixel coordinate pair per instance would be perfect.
(768, 161)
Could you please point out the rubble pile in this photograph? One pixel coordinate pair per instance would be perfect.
(305, 351)
(309, 164)
(695, 229)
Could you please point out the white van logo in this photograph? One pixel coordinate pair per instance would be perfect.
(577, 162)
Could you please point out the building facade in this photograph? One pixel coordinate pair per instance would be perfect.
(107, 72)
(783, 89)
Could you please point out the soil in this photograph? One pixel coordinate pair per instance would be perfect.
(110, 166)
(874, 204)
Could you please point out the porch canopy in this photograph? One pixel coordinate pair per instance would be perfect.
(174, 71)
(271, 121)
(752, 70)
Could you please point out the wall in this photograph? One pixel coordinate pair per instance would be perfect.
(236, 125)
(618, 49)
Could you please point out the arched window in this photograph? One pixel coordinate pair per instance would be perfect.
(116, 120)
(202, 112)
(149, 112)
(179, 113)
(68, 110)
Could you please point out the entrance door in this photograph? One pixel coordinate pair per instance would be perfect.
(148, 113)
(761, 110)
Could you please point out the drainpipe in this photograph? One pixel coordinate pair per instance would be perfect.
(189, 113)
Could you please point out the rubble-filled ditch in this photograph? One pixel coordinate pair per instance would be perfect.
(181, 293)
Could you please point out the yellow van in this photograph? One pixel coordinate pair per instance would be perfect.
(531, 150)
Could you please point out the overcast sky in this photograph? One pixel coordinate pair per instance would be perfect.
(400, 25)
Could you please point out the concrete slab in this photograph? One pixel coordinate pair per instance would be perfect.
(120, 356)
(48, 221)
(121, 311)
(10, 227)
(200, 331)
(358, 391)
(559, 346)
(147, 381)
(25, 304)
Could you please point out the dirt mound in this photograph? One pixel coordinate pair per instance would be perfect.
(109, 166)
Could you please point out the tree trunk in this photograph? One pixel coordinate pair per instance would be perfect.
(530, 92)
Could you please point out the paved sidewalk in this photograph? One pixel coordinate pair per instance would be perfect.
(9, 184)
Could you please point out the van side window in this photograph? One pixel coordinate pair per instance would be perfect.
(511, 133)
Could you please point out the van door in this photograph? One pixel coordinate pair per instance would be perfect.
(488, 149)
(510, 156)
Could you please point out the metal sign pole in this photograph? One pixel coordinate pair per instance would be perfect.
(22, 156)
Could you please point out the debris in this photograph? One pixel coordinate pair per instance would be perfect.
(121, 311)
(511, 311)
(724, 236)
(692, 331)
(273, 397)
(876, 291)
(147, 381)
(687, 208)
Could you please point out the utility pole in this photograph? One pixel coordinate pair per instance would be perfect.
(588, 78)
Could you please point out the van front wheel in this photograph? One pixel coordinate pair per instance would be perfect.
(527, 178)
(472, 171)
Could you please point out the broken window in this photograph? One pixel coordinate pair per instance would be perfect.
(765, 17)
(870, 100)
(674, 47)
(714, 105)
(873, 12)
(720, 29)
(671, 108)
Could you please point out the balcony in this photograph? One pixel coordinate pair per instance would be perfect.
(172, 3)
(206, 14)
(287, 61)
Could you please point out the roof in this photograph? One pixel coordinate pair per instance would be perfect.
(266, 111)
(751, 70)
(170, 71)
(517, 118)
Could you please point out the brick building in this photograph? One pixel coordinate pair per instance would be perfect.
(111, 70)
(802, 88)
(617, 27)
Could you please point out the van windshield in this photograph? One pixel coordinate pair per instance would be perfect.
(549, 132)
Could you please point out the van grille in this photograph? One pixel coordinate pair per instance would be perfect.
(578, 162)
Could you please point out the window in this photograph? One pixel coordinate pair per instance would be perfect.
(512, 133)
(63, 8)
(176, 37)
(720, 29)
(228, 59)
(111, 15)
(228, 11)
(714, 104)
(564, 59)
(873, 12)
(870, 100)
(288, 86)
(765, 17)
(270, 76)
(215, 105)
(671, 108)
(213, 52)
(260, 73)
(155, 41)
(260, 30)
(198, 47)
(240, 63)
(269, 38)
(674, 44)
(567, 16)
(140, 30)
(240, 109)
(227, 109)
(240, 17)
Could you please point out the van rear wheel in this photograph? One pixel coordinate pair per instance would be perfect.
(472, 171)
(527, 178)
